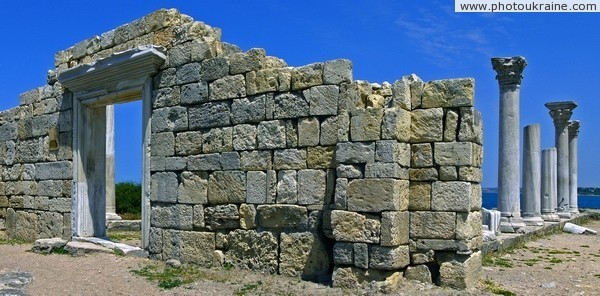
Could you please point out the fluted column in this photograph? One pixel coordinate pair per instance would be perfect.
(549, 185)
(573, 139)
(561, 113)
(531, 202)
(509, 77)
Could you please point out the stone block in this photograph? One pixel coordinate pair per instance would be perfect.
(249, 249)
(189, 247)
(376, 195)
(188, 143)
(252, 60)
(227, 187)
(228, 87)
(198, 218)
(349, 171)
(62, 205)
(262, 81)
(207, 115)
(256, 187)
(250, 109)
(307, 76)
(329, 131)
(448, 173)
(423, 174)
(451, 196)
(322, 99)
(421, 225)
(247, 216)
(343, 132)
(256, 160)
(289, 105)
(291, 133)
(162, 144)
(449, 93)
(471, 126)
(385, 170)
(271, 134)
(341, 196)
(394, 228)
(205, 162)
(230, 161)
(462, 273)
(427, 125)
(343, 253)
(155, 242)
(420, 196)
(59, 170)
(470, 174)
(164, 187)
(303, 254)
(391, 151)
(454, 153)
(222, 217)
(401, 93)
(279, 216)
(287, 187)
(388, 258)
(311, 187)
(308, 131)
(450, 126)
(365, 124)
(213, 69)
(188, 73)
(193, 188)
(8, 131)
(476, 197)
(361, 255)
(337, 71)
(172, 216)
(165, 97)
(166, 78)
(396, 124)
(354, 227)
(217, 140)
(468, 225)
(289, 159)
(194, 93)
(420, 273)
(421, 155)
(46, 188)
(350, 152)
(321, 157)
(244, 137)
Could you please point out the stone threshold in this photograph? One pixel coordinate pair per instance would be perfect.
(124, 225)
(509, 240)
(86, 244)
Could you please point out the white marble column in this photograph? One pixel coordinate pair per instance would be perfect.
(573, 139)
(531, 199)
(561, 113)
(509, 79)
(111, 210)
(549, 185)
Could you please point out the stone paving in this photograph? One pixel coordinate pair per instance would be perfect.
(14, 283)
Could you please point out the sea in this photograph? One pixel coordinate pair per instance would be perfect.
(490, 201)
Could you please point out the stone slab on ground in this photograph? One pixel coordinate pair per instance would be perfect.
(126, 250)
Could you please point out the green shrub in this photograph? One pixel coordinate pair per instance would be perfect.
(128, 198)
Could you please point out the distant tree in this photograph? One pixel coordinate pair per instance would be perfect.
(128, 198)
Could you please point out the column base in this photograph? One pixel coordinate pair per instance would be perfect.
(511, 224)
(574, 210)
(533, 221)
(551, 217)
(112, 216)
(564, 215)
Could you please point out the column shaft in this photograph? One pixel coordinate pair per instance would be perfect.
(573, 139)
(531, 199)
(548, 190)
(111, 209)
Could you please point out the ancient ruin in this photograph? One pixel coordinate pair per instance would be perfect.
(300, 171)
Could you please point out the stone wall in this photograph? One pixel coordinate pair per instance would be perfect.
(298, 171)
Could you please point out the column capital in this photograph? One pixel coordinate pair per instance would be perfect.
(509, 69)
(561, 112)
(574, 129)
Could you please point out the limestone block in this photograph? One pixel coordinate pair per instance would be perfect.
(477, 155)
(22, 225)
(289, 105)
(287, 187)
(36, 203)
(391, 151)
(250, 109)
(230, 161)
(256, 187)
(188, 73)
(291, 133)
(311, 187)
(164, 187)
(262, 81)
(343, 132)
(376, 195)
(450, 126)
(365, 124)
(228, 87)
(451, 196)
(420, 196)
(207, 115)
(284, 79)
(162, 144)
(8, 131)
(205, 162)
(337, 71)
(354, 227)
(175, 163)
(341, 197)
(388, 258)
(222, 217)
(253, 250)
(422, 258)
(166, 78)
(155, 241)
(321, 157)
(396, 124)
(401, 94)
(188, 143)
(271, 134)
(213, 69)
(420, 273)
(423, 174)
(289, 159)
(307, 76)
(62, 205)
(256, 160)
(172, 216)
(177, 56)
(198, 218)
(449, 93)
(322, 100)
(189, 247)
(59, 170)
(315, 219)
(394, 228)
(448, 173)
(471, 126)
(244, 137)
(343, 253)
(252, 60)
(217, 140)
(308, 131)
(303, 254)
(454, 153)
(279, 216)
(421, 155)
(462, 273)
(426, 125)
(354, 95)
(421, 225)
(349, 171)
(194, 93)
(355, 152)
(193, 188)
(247, 216)
(3, 202)
(361, 255)
(227, 187)
(476, 197)
(375, 101)
(164, 97)
(468, 225)
(329, 131)
(471, 174)
(385, 170)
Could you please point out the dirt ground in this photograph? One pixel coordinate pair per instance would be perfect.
(561, 264)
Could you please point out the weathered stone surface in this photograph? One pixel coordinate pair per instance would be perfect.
(401, 96)
(188, 143)
(289, 159)
(343, 132)
(50, 225)
(421, 155)
(175, 163)
(205, 162)
(222, 217)
(289, 105)
(468, 225)
(322, 100)
(423, 174)
(321, 157)
(282, 216)
(291, 133)
(422, 258)
(271, 134)
(311, 187)
(214, 114)
(450, 126)
(329, 131)
(388, 258)
(449, 93)
(355, 152)
(303, 254)
(361, 255)
(244, 137)
(250, 109)
(228, 87)
(391, 151)
(461, 273)
(227, 187)
(451, 196)
(188, 73)
(252, 60)
(189, 247)
(193, 188)
(169, 119)
(420, 196)
(256, 160)
(354, 277)
(247, 216)
(60, 170)
(476, 199)
(308, 131)
(337, 71)
(47, 245)
(448, 173)
(471, 126)
(287, 187)
(365, 124)
(385, 170)
(8, 131)
(471, 174)
(394, 228)
(427, 125)
(343, 253)
(165, 97)
(454, 153)
(230, 161)
(194, 93)
(256, 187)
(307, 76)
(162, 144)
(253, 250)
(217, 140)
(213, 69)
(172, 216)
(354, 227)
(198, 219)
(421, 224)
(376, 195)
(349, 171)
(396, 124)
(262, 81)
(420, 273)
(341, 196)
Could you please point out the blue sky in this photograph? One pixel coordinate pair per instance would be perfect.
(385, 40)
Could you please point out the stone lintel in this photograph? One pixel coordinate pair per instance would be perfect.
(509, 69)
